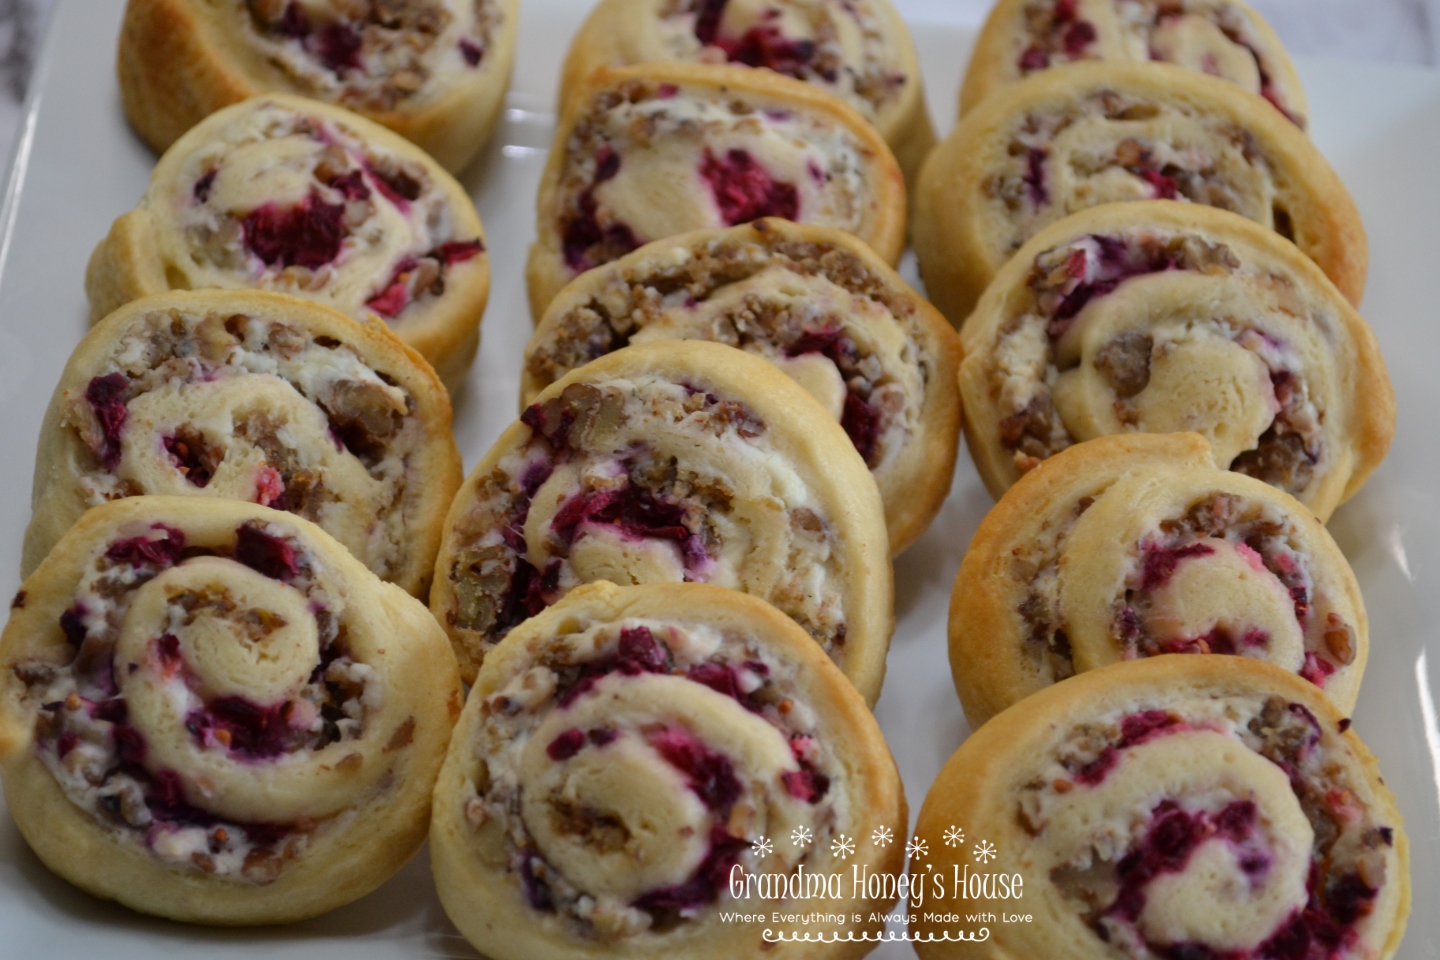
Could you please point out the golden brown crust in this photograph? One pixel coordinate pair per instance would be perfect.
(912, 486)
(621, 32)
(798, 429)
(130, 261)
(59, 499)
(339, 865)
(883, 221)
(488, 906)
(994, 60)
(180, 60)
(1359, 423)
(978, 788)
(996, 656)
(961, 239)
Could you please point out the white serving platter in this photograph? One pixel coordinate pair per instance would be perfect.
(78, 166)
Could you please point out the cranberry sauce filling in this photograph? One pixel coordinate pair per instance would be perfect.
(1066, 32)
(1097, 275)
(710, 877)
(308, 234)
(762, 45)
(245, 728)
(586, 243)
(861, 421)
(711, 775)
(163, 550)
(744, 191)
(638, 652)
(1135, 729)
(266, 554)
(1160, 564)
(636, 513)
(415, 276)
(106, 396)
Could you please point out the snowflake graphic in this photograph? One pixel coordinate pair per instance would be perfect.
(762, 848)
(985, 851)
(801, 836)
(842, 846)
(917, 848)
(882, 837)
(954, 837)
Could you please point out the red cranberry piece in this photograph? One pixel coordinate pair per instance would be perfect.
(338, 47)
(1317, 670)
(1349, 898)
(1160, 564)
(253, 730)
(707, 20)
(1237, 820)
(1065, 11)
(294, 23)
(537, 894)
(1165, 187)
(1140, 727)
(308, 234)
(806, 784)
(744, 191)
(457, 251)
(717, 677)
(1035, 177)
(72, 624)
(65, 743)
(351, 185)
(106, 396)
(566, 745)
(113, 710)
(471, 51)
(600, 736)
(710, 877)
(583, 235)
(162, 551)
(1078, 36)
(765, 46)
(1034, 59)
(265, 554)
(396, 295)
(1096, 770)
(640, 652)
(862, 424)
(711, 775)
(129, 746)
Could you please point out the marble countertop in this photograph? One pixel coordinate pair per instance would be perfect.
(1394, 31)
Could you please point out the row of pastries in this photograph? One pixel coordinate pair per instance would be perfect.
(668, 585)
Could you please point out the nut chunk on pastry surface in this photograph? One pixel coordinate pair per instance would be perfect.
(211, 712)
(258, 397)
(1159, 317)
(1224, 38)
(434, 71)
(1063, 141)
(634, 761)
(1178, 807)
(815, 302)
(666, 462)
(1135, 546)
(859, 50)
(280, 193)
(650, 151)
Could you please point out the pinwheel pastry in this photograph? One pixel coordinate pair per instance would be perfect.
(1161, 317)
(1224, 38)
(649, 151)
(434, 71)
(1063, 141)
(815, 302)
(859, 50)
(635, 760)
(674, 461)
(280, 193)
(1205, 807)
(1135, 546)
(211, 712)
(253, 396)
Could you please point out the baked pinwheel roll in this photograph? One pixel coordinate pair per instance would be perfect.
(210, 711)
(1224, 38)
(254, 396)
(634, 761)
(815, 302)
(1067, 140)
(1160, 317)
(859, 50)
(1175, 807)
(667, 462)
(654, 150)
(1129, 547)
(434, 71)
(280, 193)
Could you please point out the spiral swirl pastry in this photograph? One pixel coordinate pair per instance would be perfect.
(1128, 547)
(434, 71)
(1159, 317)
(650, 151)
(858, 50)
(1064, 141)
(1224, 38)
(673, 461)
(623, 758)
(280, 193)
(815, 302)
(1175, 807)
(259, 397)
(210, 711)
